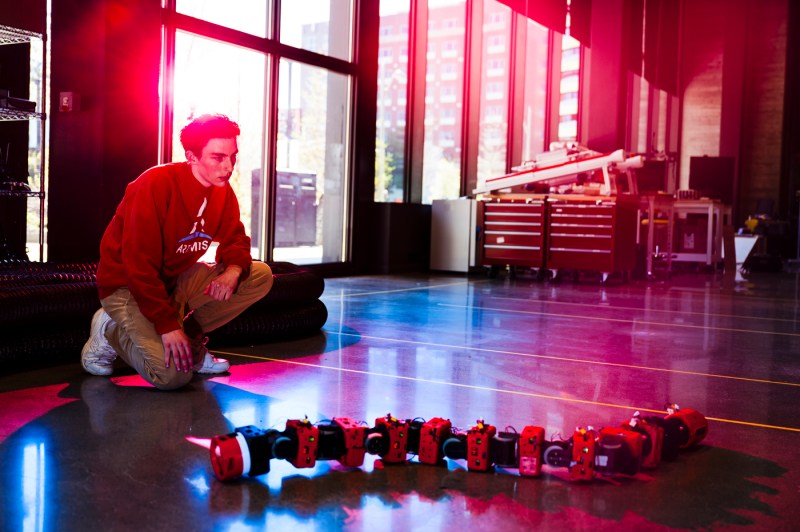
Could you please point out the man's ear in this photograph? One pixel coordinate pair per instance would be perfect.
(190, 156)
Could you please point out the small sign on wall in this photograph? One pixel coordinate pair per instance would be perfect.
(69, 102)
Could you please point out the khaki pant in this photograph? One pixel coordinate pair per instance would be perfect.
(135, 339)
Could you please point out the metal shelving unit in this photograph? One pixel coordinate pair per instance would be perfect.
(9, 35)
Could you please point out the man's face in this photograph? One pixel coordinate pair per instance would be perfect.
(214, 165)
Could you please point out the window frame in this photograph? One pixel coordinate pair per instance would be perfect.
(274, 50)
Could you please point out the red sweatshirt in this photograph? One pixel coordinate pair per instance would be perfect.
(164, 224)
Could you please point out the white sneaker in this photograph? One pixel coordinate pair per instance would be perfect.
(97, 355)
(212, 365)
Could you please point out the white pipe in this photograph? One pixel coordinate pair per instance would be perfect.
(558, 170)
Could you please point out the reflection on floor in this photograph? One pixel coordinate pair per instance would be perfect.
(82, 452)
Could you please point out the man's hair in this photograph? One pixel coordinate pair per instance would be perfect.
(196, 134)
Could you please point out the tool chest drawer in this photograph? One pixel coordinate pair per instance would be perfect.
(513, 232)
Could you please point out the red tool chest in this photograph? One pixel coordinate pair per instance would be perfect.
(513, 231)
(592, 233)
(571, 232)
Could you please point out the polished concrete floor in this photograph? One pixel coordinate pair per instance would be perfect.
(91, 453)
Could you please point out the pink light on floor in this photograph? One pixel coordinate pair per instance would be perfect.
(255, 377)
(21, 407)
(132, 380)
(202, 442)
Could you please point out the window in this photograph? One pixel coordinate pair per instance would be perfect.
(570, 60)
(496, 44)
(505, 128)
(447, 116)
(321, 26)
(568, 104)
(239, 95)
(449, 71)
(495, 90)
(392, 87)
(534, 108)
(642, 140)
(496, 67)
(448, 94)
(451, 48)
(441, 164)
(303, 170)
(569, 89)
(250, 16)
(492, 147)
(311, 198)
(493, 114)
(497, 18)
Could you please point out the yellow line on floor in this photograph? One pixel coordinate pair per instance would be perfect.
(640, 309)
(618, 320)
(567, 359)
(630, 409)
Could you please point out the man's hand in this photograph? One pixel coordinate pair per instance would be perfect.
(222, 287)
(178, 347)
